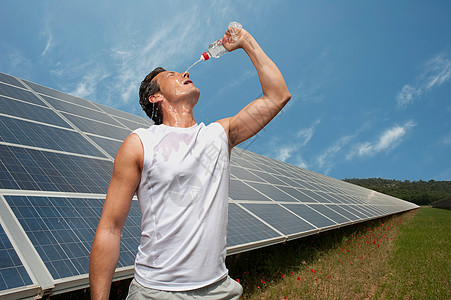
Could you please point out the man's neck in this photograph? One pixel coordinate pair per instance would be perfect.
(178, 116)
(180, 123)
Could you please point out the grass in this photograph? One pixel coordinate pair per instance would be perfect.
(420, 267)
(406, 256)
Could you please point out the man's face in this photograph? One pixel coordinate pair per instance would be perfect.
(177, 86)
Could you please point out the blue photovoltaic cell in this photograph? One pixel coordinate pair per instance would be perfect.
(244, 228)
(342, 198)
(125, 115)
(279, 218)
(102, 129)
(12, 271)
(304, 185)
(344, 212)
(110, 146)
(243, 174)
(329, 213)
(36, 135)
(310, 215)
(314, 196)
(328, 196)
(369, 210)
(272, 192)
(296, 194)
(131, 124)
(57, 94)
(11, 80)
(267, 168)
(62, 231)
(287, 181)
(28, 169)
(351, 209)
(243, 162)
(241, 191)
(268, 177)
(80, 111)
(360, 210)
(13, 92)
(31, 112)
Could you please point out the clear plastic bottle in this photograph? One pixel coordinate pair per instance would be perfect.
(216, 49)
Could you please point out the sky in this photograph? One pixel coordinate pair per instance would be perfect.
(370, 80)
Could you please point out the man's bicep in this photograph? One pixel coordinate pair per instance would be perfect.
(251, 119)
(124, 181)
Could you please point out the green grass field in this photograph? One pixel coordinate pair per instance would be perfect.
(420, 264)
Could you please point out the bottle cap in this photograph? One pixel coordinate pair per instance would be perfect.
(205, 56)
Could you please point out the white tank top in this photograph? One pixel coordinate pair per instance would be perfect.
(183, 195)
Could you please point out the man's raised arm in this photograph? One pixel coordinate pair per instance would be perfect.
(106, 246)
(252, 118)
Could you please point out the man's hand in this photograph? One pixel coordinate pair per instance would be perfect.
(235, 39)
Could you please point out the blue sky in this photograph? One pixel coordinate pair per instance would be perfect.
(370, 80)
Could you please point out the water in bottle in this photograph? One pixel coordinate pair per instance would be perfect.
(216, 49)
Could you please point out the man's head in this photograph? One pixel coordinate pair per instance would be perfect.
(148, 88)
(163, 91)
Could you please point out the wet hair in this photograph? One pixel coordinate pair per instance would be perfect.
(150, 87)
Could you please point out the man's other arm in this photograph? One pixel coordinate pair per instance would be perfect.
(106, 246)
(257, 114)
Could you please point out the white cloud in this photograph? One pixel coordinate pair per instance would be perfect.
(407, 95)
(387, 141)
(292, 150)
(435, 72)
(326, 160)
(284, 153)
(87, 87)
(306, 134)
(333, 154)
(447, 139)
(300, 162)
(47, 33)
(18, 64)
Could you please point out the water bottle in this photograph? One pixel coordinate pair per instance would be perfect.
(216, 49)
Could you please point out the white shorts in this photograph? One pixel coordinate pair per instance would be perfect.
(226, 288)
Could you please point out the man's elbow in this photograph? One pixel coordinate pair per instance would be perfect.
(285, 97)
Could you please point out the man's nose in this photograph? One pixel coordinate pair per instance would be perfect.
(185, 74)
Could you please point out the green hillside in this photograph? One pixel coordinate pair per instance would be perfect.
(419, 192)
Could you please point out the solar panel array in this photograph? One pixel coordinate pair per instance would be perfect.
(56, 159)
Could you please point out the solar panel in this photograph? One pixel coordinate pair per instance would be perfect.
(12, 271)
(56, 160)
(31, 112)
(13, 92)
(78, 110)
(62, 229)
(246, 230)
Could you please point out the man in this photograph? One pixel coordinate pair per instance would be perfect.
(180, 172)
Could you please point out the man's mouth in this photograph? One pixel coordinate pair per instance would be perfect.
(187, 81)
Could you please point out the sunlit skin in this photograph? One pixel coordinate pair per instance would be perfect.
(177, 98)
